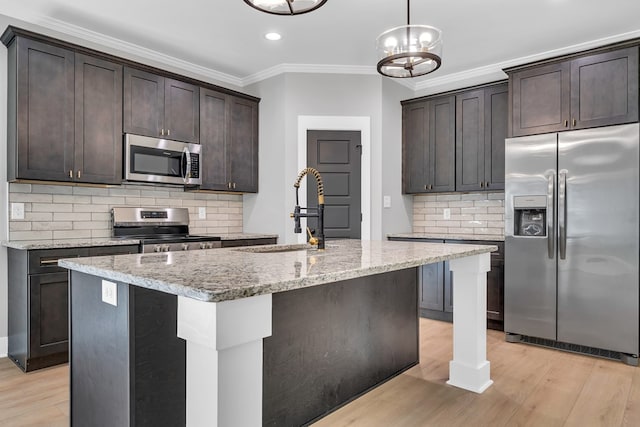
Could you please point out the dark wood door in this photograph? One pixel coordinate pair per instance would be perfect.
(414, 147)
(181, 111)
(243, 144)
(337, 156)
(48, 321)
(541, 99)
(45, 112)
(495, 290)
(213, 138)
(98, 121)
(470, 134)
(496, 105)
(431, 286)
(143, 103)
(441, 157)
(604, 89)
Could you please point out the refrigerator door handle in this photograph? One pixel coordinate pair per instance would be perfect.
(562, 213)
(551, 215)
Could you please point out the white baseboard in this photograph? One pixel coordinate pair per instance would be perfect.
(4, 343)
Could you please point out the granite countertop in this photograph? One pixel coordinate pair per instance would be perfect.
(67, 243)
(228, 274)
(484, 237)
(81, 243)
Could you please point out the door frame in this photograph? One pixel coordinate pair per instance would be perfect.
(357, 123)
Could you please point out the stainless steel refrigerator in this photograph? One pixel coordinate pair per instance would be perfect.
(571, 238)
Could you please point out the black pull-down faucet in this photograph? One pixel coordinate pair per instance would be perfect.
(319, 211)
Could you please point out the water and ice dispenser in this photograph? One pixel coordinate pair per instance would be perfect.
(530, 216)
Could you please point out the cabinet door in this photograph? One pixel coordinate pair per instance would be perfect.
(45, 113)
(431, 286)
(541, 99)
(48, 318)
(213, 138)
(470, 133)
(441, 158)
(447, 276)
(143, 103)
(243, 144)
(496, 112)
(181, 111)
(495, 290)
(98, 121)
(414, 147)
(604, 89)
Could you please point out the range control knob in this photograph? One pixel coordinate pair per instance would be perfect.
(209, 245)
(157, 248)
(165, 248)
(185, 246)
(203, 245)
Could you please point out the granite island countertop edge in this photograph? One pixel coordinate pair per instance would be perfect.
(266, 286)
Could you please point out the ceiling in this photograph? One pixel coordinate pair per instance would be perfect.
(226, 36)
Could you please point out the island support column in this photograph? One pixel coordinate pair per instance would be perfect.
(469, 368)
(224, 359)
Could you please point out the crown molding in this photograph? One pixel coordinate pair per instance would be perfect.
(308, 68)
(494, 72)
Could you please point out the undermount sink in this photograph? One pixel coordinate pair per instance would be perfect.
(275, 248)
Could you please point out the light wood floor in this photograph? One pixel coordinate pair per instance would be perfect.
(532, 387)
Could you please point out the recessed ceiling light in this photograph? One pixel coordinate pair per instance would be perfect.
(272, 36)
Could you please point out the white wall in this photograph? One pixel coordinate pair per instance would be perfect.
(284, 99)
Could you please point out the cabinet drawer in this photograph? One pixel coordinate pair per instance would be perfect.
(46, 260)
(113, 250)
(248, 242)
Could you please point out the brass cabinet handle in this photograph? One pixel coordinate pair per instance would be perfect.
(566, 123)
(71, 174)
(79, 174)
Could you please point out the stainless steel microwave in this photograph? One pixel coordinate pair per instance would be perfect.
(161, 160)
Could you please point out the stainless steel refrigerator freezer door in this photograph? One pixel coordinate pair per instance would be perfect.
(598, 294)
(530, 261)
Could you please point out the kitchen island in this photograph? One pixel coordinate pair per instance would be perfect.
(269, 330)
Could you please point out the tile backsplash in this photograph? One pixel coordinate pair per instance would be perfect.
(71, 212)
(470, 213)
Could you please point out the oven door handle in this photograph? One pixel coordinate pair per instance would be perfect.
(186, 165)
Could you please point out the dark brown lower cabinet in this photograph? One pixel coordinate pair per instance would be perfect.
(436, 285)
(39, 303)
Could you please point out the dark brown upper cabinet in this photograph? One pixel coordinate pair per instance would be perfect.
(428, 161)
(98, 135)
(594, 90)
(229, 139)
(158, 106)
(64, 112)
(481, 128)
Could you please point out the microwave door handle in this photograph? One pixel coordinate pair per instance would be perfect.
(186, 165)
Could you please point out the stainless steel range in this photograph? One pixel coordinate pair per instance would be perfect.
(159, 229)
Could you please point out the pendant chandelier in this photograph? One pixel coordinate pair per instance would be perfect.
(285, 7)
(409, 50)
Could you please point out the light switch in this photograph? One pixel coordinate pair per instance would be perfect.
(202, 213)
(110, 293)
(386, 201)
(446, 213)
(17, 210)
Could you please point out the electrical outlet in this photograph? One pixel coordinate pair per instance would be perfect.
(446, 213)
(202, 213)
(17, 210)
(386, 201)
(110, 293)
